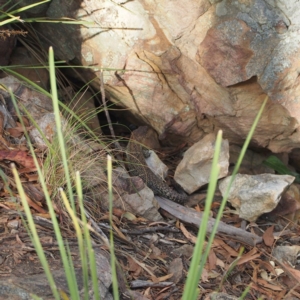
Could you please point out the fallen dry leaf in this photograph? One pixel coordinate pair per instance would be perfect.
(119, 232)
(176, 269)
(178, 241)
(266, 265)
(2, 118)
(4, 143)
(31, 177)
(19, 241)
(11, 205)
(133, 267)
(144, 266)
(35, 205)
(20, 157)
(204, 275)
(251, 255)
(129, 216)
(163, 278)
(269, 285)
(295, 273)
(212, 260)
(255, 271)
(220, 263)
(232, 252)
(187, 234)
(45, 216)
(197, 208)
(16, 132)
(118, 212)
(268, 236)
(288, 204)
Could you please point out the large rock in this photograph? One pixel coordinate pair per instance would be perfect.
(192, 66)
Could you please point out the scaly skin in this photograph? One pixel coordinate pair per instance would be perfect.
(138, 167)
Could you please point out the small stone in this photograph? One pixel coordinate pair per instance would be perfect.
(287, 254)
(14, 224)
(176, 267)
(156, 165)
(194, 170)
(185, 250)
(254, 195)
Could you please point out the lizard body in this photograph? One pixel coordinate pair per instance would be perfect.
(138, 167)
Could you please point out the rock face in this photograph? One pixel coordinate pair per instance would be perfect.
(192, 66)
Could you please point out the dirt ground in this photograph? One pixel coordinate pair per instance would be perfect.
(153, 260)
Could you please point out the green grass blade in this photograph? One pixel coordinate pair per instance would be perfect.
(112, 250)
(71, 280)
(58, 123)
(87, 238)
(10, 20)
(276, 164)
(83, 249)
(80, 240)
(245, 293)
(71, 273)
(66, 21)
(242, 154)
(231, 267)
(7, 3)
(190, 289)
(24, 8)
(35, 240)
(236, 168)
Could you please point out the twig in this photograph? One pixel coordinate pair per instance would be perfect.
(112, 132)
(96, 228)
(172, 291)
(142, 283)
(192, 217)
(150, 229)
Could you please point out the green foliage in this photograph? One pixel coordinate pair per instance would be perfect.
(112, 249)
(199, 258)
(10, 16)
(80, 224)
(276, 164)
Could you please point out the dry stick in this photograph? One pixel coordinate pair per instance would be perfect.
(112, 132)
(150, 229)
(190, 216)
(106, 110)
(143, 283)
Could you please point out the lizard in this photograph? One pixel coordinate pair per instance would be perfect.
(138, 167)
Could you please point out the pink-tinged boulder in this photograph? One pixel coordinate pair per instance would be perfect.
(188, 68)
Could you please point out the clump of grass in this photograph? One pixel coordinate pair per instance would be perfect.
(84, 151)
(62, 161)
(10, 15)
(81, 155)
(67, 154)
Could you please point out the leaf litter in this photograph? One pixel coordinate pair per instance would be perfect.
(153, 256)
